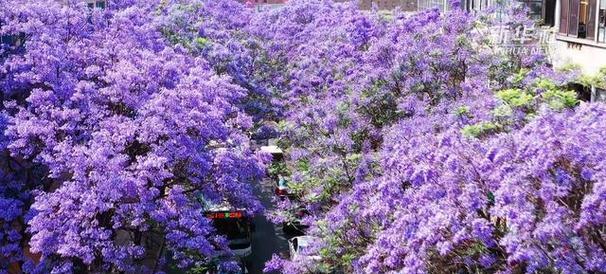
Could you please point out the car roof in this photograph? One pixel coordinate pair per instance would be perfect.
(210, 206)
(305, 240)
(271, 149)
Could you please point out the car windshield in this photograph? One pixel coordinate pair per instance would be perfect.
(303, 249)
(232, 228)
(304, 245)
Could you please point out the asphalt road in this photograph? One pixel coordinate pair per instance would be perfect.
(267, 238)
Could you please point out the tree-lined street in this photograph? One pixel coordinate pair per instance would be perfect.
(181, 136)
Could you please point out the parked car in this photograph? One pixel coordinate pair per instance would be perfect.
(299, 248)
(234, 224)
(282, 190)
(295, 227)
(275, 151)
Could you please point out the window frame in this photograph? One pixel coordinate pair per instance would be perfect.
(96, 4)
(531, 13)
(599, 95)
(601, 22)
(569, 21)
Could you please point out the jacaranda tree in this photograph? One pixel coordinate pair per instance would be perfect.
(391, 138)
(219, 32)
(113, 137)
(413, 142)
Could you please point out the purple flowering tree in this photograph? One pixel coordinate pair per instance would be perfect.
(220, 32)
(130, 134)
(388, 136)
(415, 144)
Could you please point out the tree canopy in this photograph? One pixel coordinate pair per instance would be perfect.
(415, 143)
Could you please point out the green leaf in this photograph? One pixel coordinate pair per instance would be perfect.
(202, 42)
(560, 99)
(502, 111)
(477, 130)
(515, 97)
(463, 111)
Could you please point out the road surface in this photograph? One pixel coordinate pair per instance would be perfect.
(267, 238)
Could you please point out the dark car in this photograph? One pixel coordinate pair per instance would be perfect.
(295, 227)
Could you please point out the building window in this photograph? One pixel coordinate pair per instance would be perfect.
(602, 22)
(475, 5)
(430, 4)
(539, 10)
(535, 8)
(578, 18)
(100, 4)
(600, 95)
(549, 11)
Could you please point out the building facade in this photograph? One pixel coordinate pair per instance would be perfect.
(580, 33)
(540, 10)
(403, 5)
(580, 38)
(272, 2)
(576, 30)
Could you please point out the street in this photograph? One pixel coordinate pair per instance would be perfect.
(267, 238)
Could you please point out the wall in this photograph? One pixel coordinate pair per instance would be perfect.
(404, 5)
(589, 55)
(264, 1)
(589, 58)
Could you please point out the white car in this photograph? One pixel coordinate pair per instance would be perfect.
(299, 248)
(273, 150)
